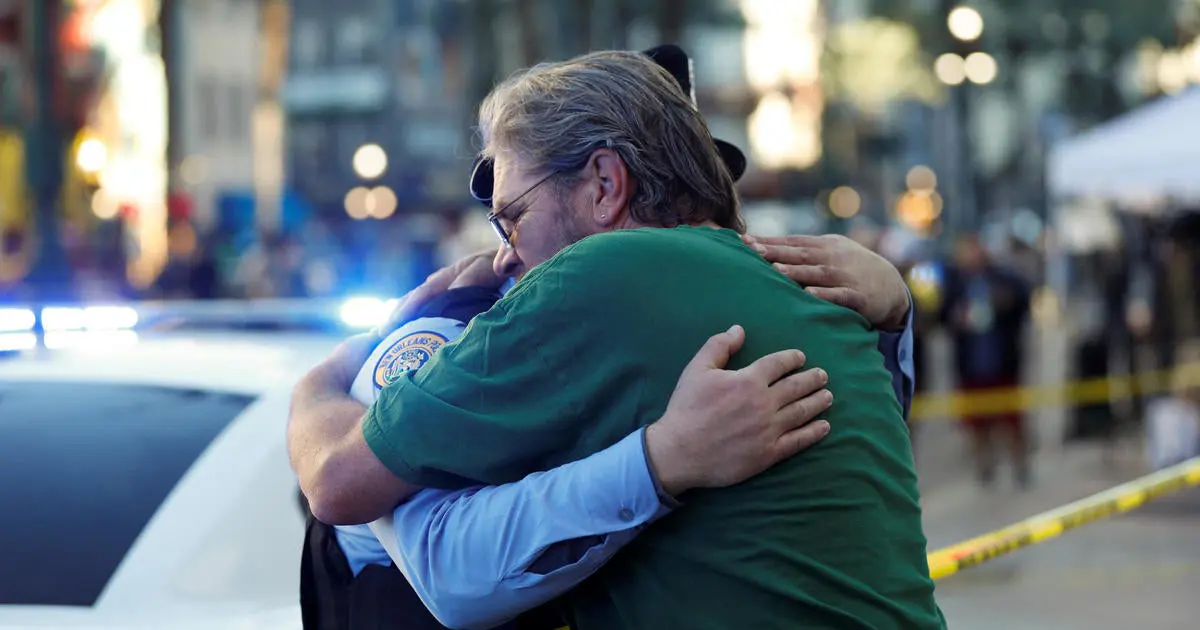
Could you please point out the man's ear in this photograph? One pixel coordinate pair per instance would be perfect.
(612, 187)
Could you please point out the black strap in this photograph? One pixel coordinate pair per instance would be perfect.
(333, 598)
(325, 579)
(381, 598)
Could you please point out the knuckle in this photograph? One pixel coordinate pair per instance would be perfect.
(796, 358)
(806, 437)
(808, 382)
(808, 409)
(799, 275)
(780, 361)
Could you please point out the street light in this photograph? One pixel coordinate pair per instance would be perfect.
(980, 68)
(950, 69)
(965, 23)
(356, 202)
(844, 202)
(91, 156)
(921, 178)
(370, 161)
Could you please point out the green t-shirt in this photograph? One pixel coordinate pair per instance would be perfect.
(588, 347)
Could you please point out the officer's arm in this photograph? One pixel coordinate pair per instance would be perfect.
(328, 453)
(897, 350)
(480, 556)
(325, 438)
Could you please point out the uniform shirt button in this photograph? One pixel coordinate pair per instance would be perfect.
(626, 515)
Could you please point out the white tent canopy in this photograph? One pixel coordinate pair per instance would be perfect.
(1150, 153)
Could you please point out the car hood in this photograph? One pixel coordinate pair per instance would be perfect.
(42, 617)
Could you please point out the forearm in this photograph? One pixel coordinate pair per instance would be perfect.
(325, 448)
(480, 556)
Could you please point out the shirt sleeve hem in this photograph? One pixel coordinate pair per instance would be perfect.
(387, 454)
(667, 503)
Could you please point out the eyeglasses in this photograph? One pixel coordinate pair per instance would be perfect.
(493, 217)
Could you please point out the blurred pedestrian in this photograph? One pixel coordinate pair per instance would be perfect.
(1173, 421)
(986, 309)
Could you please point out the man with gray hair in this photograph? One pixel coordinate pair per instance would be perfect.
(621, 222)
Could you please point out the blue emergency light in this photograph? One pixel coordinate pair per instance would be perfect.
(61, 326)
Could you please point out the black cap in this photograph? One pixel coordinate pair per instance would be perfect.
(674, 60)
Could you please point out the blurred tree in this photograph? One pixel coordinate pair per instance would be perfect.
(875, 62)
(1094, 35)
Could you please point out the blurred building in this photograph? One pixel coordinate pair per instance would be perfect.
(376, 105)
(383, 75)
(215, 78)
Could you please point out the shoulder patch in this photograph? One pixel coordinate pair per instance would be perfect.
(409, 353)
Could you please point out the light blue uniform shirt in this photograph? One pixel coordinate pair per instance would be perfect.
(472, 555)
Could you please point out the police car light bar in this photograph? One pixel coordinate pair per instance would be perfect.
(356, 313)
(17, 320)
(20, 324)
(17, 341)
(61, 318)
(365, 312)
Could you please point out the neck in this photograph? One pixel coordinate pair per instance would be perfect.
(629, 223)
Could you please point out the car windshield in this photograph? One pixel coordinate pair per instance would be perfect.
(84, 467)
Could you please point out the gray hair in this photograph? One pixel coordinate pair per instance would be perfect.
(555, 115)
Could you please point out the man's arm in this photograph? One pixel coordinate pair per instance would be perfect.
(326, 446)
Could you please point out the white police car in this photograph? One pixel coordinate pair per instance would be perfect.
(144, 479)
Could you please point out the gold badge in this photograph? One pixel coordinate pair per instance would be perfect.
(408, 353)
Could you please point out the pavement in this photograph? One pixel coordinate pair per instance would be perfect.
(1139, 570)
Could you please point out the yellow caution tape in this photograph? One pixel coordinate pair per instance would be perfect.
(1083, 392)
(1123, 498)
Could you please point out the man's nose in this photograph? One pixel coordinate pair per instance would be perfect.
(507, 263)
